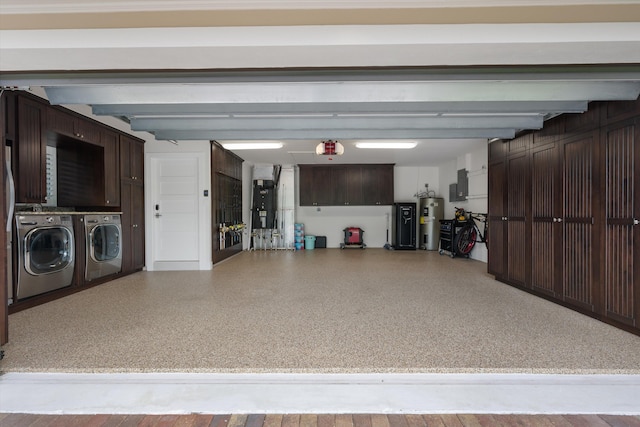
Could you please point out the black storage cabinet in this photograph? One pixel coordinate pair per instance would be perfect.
(404, 227)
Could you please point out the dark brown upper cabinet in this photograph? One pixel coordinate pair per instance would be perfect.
(73, 125)
(30, 151)
(346, 185)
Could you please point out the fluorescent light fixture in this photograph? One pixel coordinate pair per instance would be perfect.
(273, 145)
(387, 144)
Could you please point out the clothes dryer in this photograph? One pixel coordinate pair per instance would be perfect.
(46, 258)
(103, 242)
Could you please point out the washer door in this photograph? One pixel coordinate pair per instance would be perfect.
(48, 250)
(105, 242)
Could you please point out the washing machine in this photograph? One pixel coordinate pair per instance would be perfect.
(103, 240)
(46, 258)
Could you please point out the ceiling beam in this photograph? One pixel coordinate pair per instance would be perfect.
(337, 124)
(346, 92)
(320, 134)
(184, 110)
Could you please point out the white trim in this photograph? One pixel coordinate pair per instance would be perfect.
(69, 6)
(182, 393)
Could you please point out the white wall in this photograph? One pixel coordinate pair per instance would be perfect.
(476, 163)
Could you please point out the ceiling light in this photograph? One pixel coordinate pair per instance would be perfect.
(252, 145)
(387, 144)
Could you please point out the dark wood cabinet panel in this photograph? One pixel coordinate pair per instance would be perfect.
(138, 226)
(71, 124)
(133, 226)
(520, 144)
(546, 231)
(346, 185)
(613, 112)
(576, 204)
(497, 151)
(30, 151)
(579, 174)
(377, 184)
(497, 247)
(621, 240)
(226, 201)
(111, 146)
(552, 132)
(518, 182)
(131, 159)
(315, 186)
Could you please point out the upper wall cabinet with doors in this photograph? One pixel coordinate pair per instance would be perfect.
(86, 154)
(581, 209)
(346, 185)
(67, 123)
(29, 150)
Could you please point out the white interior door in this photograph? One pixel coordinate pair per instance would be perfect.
(175, 211)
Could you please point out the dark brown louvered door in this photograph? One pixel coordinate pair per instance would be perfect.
(497, 217)
(580, 178)
(621, 233)
(518, 207)
(546, 230)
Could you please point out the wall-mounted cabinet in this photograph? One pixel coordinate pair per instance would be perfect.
(29, 150)
(70, 124)
(346, 185)
(564, 211)
(226, 202)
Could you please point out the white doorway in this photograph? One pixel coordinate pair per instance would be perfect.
(178, 211)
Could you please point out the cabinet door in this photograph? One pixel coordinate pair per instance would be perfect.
(546, 230)
(497, 219)
(131, 159)
(67, 123)
(61, 122)
(346, 185)
(132, 196)
(580, 176)
(518, 193)
(621, 190)
(137, 227)
(315, 186)
(31, 148)
(127, 230)
(377, 184)
(109, 142)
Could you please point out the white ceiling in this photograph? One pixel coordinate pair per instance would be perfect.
(449, 87)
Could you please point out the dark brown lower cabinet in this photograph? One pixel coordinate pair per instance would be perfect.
(564, 216)
(132, 202)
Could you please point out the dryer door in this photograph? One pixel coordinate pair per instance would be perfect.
(48, 250)
(105, 242)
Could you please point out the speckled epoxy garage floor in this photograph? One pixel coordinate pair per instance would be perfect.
(326, 311)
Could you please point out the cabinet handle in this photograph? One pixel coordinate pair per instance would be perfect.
(636, 222)
(559, 219)
(108, 202)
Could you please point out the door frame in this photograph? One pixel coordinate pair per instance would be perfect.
(204, 210)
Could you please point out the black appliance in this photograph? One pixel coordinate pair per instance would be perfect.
(264, 204)
(403, 225)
